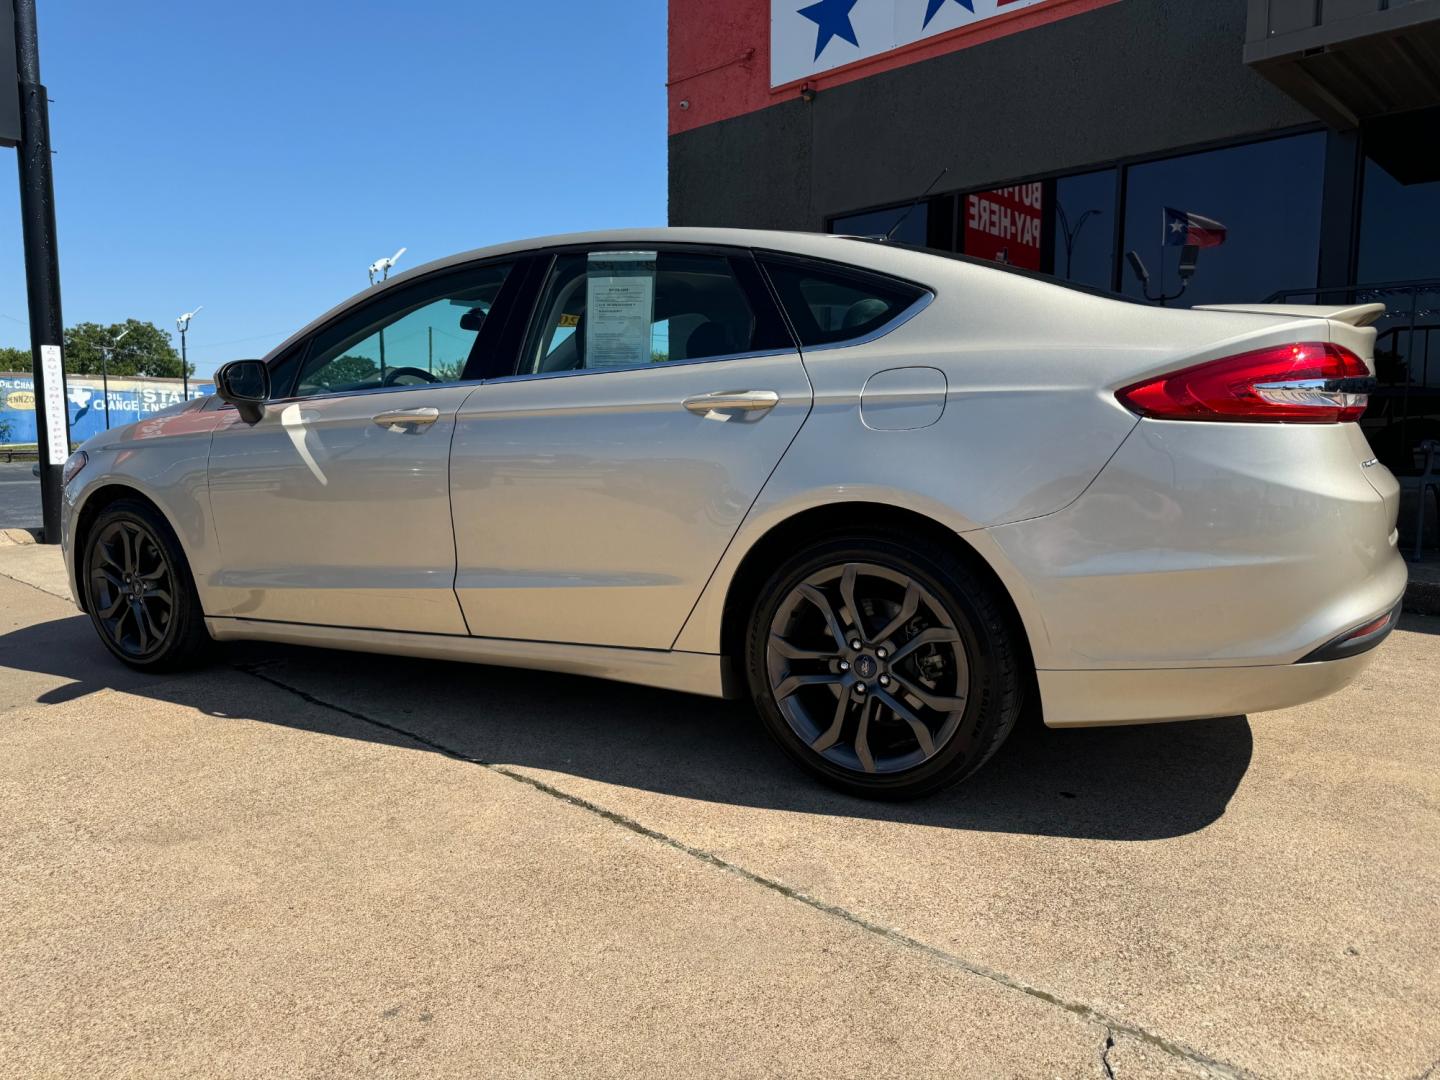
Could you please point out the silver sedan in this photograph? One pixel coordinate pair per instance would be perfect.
(894, 498)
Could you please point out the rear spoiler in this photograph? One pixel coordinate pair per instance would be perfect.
(1354, 314)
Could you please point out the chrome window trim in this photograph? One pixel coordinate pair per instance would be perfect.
(355, 393)
(651, 366)
(920, 304)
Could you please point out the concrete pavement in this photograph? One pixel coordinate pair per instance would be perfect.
(305, 863)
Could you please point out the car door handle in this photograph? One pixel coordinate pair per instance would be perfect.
(727, 401)
(400, 419)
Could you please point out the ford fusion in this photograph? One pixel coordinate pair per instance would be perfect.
(891, 497)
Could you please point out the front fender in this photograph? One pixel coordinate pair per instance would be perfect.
(163, 459)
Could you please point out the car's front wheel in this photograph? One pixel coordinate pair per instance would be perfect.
(138, 589)
(883, 665)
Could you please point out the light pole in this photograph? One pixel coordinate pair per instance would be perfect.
(382, 267)
(183, 325)
(1072, 235)
(42, 264)
(105, 352)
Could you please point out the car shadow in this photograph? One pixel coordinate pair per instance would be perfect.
(1124, 783)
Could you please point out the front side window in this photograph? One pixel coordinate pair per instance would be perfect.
(422, 334)
(829, 304)
(620, 309)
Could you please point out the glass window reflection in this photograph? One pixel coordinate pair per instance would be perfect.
(913, 229)
(1084, 232)
(1266, 194)
(1399, 229)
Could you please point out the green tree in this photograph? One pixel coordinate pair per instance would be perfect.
(12, 359)
(346, 372)
(144, 350)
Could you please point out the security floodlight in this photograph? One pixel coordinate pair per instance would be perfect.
(382, 267)
(183, 325)
(1189, 256)
(1138, 265)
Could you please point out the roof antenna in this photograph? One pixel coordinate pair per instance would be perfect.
(911, 208)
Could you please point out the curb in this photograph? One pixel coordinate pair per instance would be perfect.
(19, 536)
(1422, 593)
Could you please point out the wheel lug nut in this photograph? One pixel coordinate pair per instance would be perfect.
(884, 680)
(844, 666)
(860, 688)
(855, 644)
(881, 653)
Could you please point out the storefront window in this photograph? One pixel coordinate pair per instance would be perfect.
(913, 229)
(1254, 209)
(1004, 225)
(1399, 229)
(1083, 249)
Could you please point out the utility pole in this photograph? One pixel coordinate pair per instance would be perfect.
(106, 351)
(382, 267)
(1072, 235)
(42, 266)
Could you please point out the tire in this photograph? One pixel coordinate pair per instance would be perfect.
(139, 591)
(962, 683)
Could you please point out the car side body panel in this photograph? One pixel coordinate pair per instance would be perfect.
(591, 508)
(1029, 422)
(326, 513)
(1161, 570)
(164, 458)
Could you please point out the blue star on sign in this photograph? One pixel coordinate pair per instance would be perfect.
(934, 7)
(833, 19)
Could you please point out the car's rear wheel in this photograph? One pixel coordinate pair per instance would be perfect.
(883, 665)
(138, 589)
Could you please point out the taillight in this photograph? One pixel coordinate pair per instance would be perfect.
(1308, 383)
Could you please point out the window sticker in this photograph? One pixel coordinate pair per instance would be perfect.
(620, 306)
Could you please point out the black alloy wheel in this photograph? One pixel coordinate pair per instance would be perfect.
(133, 588)
(138, 589)
(886, 670)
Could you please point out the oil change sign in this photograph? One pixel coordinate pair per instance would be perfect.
(1004, 224)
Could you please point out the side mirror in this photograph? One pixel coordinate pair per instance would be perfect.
(246, 385)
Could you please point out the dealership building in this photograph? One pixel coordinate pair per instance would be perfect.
(1295, 144)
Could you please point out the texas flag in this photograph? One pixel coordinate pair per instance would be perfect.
(1183, 229)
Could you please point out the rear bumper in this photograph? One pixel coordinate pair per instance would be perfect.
(1156, 695)
(1207, 571)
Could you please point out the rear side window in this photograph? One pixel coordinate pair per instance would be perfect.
(829, 304)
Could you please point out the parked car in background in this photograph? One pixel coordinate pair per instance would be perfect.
(888, 496)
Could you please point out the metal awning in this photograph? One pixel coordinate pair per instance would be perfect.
(1349, 61)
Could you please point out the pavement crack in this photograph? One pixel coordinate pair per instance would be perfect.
(37, 588)
(1106, 1072)
(1112, 1025)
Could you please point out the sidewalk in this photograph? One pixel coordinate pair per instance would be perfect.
(301, 862)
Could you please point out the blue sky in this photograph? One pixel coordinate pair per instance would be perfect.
(255, 158)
